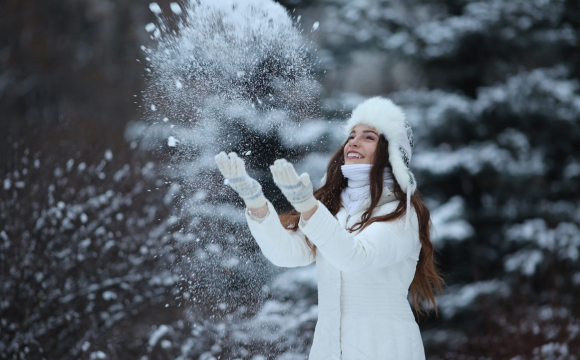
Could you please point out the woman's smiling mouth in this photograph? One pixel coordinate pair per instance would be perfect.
(354, 155)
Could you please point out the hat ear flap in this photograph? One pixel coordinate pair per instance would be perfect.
(412, 182)
(400, 170)
(398, 166)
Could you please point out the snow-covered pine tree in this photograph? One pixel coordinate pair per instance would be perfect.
(228, 76)
(492, 92)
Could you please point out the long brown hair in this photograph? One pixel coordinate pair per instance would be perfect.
(427, 277)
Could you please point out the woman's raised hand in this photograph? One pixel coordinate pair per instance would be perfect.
(298, 190)
(234, 170)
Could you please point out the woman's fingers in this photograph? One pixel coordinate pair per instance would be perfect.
(305, 178)
(291, 174)
(238, 167)
(232, 163)
(277, 173)
(284, 173)
(222, 162)
(231, 166)
(219, 158)
(280, 170)
(241, 167)
(298, 190)
(274, 172)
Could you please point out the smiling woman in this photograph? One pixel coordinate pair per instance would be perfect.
(361, 145)
(367, 230)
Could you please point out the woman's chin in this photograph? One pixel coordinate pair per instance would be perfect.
(354, 161)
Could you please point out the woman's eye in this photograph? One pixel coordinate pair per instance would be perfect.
(370, 137)
(350, 137)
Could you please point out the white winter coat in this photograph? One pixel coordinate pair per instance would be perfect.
(363, 279)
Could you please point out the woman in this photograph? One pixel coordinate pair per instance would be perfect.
(370, 245)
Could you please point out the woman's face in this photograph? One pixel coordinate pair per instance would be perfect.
(361, 145)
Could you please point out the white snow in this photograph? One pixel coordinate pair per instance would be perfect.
(173, 190)
(230, 263)
(304, 134)
(524, 261)
(315, 165)
(294, 280)
(572, 170)
(473, 158)
(150, 27)
(563, 240)
(459, 297)
(175, 8)
(448, 222)
(69, 165)
(154, 7)
(98, 355)
(158, 334)
(109, 295)
(86, 345)
(200, 195)
(109, 244)
(552, 348)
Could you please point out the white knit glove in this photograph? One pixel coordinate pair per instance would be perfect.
(234, 170)
(298, 190)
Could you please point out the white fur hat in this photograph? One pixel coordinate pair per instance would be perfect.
(389, 120)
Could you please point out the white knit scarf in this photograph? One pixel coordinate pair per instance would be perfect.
(359, 188)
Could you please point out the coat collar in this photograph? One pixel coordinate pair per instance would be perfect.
(386, 197)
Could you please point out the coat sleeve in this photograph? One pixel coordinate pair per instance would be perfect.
(379, 245)
(283, 247)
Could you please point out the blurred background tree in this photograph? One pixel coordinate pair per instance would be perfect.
(90, 257)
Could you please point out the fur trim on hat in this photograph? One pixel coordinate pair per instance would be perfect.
(389, 120)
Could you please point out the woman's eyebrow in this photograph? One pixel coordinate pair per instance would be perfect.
(364, 131)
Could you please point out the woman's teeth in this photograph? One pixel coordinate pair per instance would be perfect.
(356, 156)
